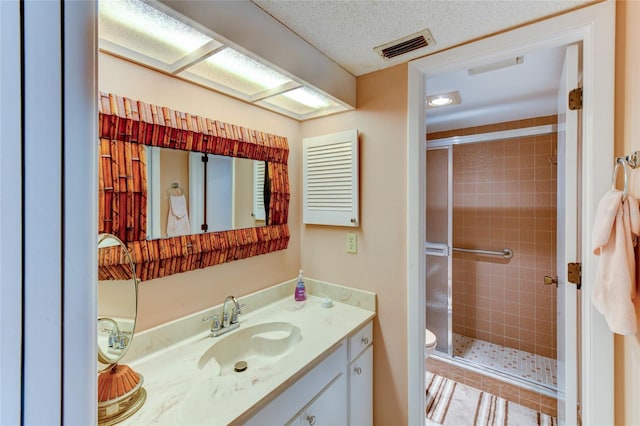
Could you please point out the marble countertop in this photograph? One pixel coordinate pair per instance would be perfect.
(180, 393)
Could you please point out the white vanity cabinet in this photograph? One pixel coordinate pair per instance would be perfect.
(327, 409)
(336, 392)
(361, 377)
(325, 384)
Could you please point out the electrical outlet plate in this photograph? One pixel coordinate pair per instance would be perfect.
(352, 243)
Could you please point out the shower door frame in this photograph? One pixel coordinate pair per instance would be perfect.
(594, 26)
(448, 144)
(449, 246)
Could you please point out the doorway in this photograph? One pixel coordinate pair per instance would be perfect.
(503, 228)
(594, 27)
(492, 197)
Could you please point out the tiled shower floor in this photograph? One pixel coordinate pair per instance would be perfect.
(528, 366)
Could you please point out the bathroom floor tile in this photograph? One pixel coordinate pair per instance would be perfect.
(531, 367)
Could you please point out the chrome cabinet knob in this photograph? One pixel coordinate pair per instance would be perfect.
(311, 420)
(357, 370)
(365, 340)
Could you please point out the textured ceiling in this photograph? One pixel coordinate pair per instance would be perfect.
(347, 31)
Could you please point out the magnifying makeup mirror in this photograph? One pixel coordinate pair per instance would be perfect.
(120, 391)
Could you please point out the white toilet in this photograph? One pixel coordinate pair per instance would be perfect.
(429, 343)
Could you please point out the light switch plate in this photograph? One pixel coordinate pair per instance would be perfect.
(352, 243)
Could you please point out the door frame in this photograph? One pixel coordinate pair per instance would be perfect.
(594, 26)
(49, 252)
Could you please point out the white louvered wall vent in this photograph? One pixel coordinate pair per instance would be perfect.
(330, 179)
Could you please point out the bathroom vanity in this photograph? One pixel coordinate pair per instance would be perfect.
(307, 364)
(338, 391)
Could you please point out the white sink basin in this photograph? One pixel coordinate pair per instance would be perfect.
(257, 345)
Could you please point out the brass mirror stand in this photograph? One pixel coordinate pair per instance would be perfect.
(120, 394)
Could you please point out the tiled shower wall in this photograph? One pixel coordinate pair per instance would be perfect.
(505, 196)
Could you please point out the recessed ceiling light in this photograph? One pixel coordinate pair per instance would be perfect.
(443, 99)
(440, 101)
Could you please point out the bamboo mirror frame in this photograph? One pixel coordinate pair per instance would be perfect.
(125, 126)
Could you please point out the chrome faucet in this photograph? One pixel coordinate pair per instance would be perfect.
(229, 318)
(117, 339)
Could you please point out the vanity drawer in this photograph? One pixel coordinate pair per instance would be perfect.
(360, 341)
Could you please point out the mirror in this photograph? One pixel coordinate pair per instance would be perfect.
(125, 128)
(193, 193)
(117, 300)
(120, 391)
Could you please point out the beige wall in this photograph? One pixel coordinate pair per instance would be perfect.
(164, 299)
(627, 128)
(380, 264)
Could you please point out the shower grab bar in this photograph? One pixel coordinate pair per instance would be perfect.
(507, 253)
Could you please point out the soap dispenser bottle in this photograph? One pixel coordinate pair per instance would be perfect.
(301, 292)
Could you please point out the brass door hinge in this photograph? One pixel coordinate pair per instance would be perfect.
(575, 99)
(575, 273)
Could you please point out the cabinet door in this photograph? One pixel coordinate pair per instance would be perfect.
(330, 408)
(361, 389)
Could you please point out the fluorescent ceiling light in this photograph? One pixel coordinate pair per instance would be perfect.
(237, 63)
(443, 99)
(303, 101)
(237, 71)
(144, 29)
(162, 39)
(496, 65)
(308, 97)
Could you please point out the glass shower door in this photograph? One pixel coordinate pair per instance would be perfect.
(437, 247)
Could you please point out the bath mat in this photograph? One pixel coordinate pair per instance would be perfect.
(453, 404)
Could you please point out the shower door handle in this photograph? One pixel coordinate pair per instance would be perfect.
(550, 280)
(436, 249)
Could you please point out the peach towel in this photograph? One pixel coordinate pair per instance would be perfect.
(615, 225)
(634, 189)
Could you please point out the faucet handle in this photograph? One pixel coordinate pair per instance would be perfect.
(235, 312)
(209, 318)
(215, 325)
(215, 322)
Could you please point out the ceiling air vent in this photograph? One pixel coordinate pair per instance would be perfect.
(405, 44)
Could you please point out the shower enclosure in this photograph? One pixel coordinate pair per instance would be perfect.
(491, 241)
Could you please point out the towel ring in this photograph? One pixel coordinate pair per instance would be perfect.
(177, 190)
(625, 167)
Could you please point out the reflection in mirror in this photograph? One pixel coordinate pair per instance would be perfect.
(193, 193)
(117, 299)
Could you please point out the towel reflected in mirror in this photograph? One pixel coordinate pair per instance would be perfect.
(178, 219)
